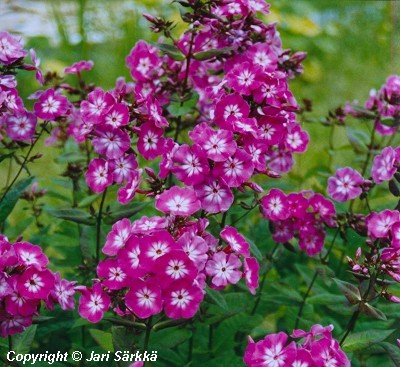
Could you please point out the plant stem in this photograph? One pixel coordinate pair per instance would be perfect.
(23, 163)
(98, 229)
(210, 339)
(350, 325)
(147, 337)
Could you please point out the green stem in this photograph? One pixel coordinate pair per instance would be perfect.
(147, 337)
(242, 216)
(98, 229)
(350, 325)
(23, 163)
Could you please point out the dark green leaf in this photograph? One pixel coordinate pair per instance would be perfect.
(393, 188)
(120, 211)
(103, 339)
(358, 139)
(10, 200)
(172, 51)
(181, 108)
(365, 339)
(88, 200)
(206, 55)
(73, 215)
(23, 341)
(372, 311)
(5, 156)
(255, 250)
(393, 352)
(87, 243)
(217, 298)
(325, 299)
(351, 292)
(169, 338)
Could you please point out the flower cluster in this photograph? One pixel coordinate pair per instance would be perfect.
(25, 282)
(162, 263)
(382, 106)
(303, 215)
(317, 348)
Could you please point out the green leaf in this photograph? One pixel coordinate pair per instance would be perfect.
(70, 157)
(103, 339)
(325, 299)
(88, 200)
(206, 55)
(372, 311)
(5, 156)
(393, 352)
(169, 338)
(365, 339)
(119, 211)
(172, 51)
(217, 298)
(87, 242)
(180, 108)
(255, 250)
(23, 341)
(351, 292)
(73, 215)
(10, 200)
(358, 139)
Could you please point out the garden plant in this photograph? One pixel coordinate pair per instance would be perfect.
(181, 244)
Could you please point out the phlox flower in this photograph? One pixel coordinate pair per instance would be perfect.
(275, 205)
(78, 67)
(214, 194)
(345, 185)
(117, 237)
(97, 105)
(111, 142)
(178, 201)
(93, 302)
(385, 165)
(11, 48)
(223, 269)
(379, 224)
(235, 240)
(51, 105)
(98, 176)
(144, 299)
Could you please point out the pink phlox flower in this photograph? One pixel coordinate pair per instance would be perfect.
(224, 269)
(93, 303)
(13, 101)
(182, 299)
(147, 225)
(275, 205)
(283, 230)
(230, 108)
(36, 63)
(112, 273)
(98, 176)
(144, 299)
(155, 112)
(118, 237)
(385, 165)
(195, 248)
(236, 169)
(11, 48)
(151, 142)
(297, 139)
(214, 194)
(63, 292)
(178, 201)
(379, 224)
(167, 163)
(236, 241)
(97, 105)
(10, 324)
(251, 269)
(117, 115)
(111, 142)
(345, 185)
(21, 125)
(311, 240)
(123, 168)
(51, 105)
(190, 164)
(244, 78)
(128, 257)
(30, 255)
(127, 193)
(36, 284)
(78, 67)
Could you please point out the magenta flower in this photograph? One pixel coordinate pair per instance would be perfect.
(214, 194)
(36, 284)
(379, 224)
(16, 304)
(129, 258)
(78, 67)
(230, 108)
(117, 116)
(111, 142)
(182, 299)
(36, 63)
(223, 269)
(395, 231)
(63, 292)
(97, 105)
(11, 48)
(311, 240)
(195, 247)
(178, 201)
(297, 140)
(30, 255)
(93, 303)
(244, 78)
(275, 205)
(236, 241)
(345, 185)
(251, 269)
(118, 237)
(127, 193)
(97, 176)
(123, 168)
(144, 299)
(51, 105)
(155, 112)
(21, 125)
(151, 142)
(10, 324)
(114, 277)
(385, 165)
(236, 169)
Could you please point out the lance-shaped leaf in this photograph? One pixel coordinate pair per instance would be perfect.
(372, 311)
(365, 339)
(119, 211)
(73, 215)
(10, 200)
(351, 292)
(172, 51)
(206, 55)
